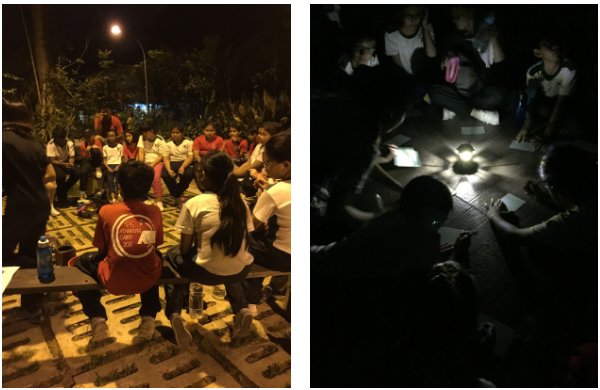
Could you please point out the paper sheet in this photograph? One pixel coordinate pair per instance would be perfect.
(398, 140)
(7, 274)
(407, 157)
(512, 202)
(526, 146)
(472, 130)
(448, 234)
(590, 147)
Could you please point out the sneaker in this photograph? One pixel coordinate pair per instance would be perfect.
(241, 324)
(182, 335)
(448, 114)
(253, 310)
(82, 195)
(145, 330)
(54, 212)
(160, 206)
(98, 173)
(489, 117)
(99, 332)
(35, 317)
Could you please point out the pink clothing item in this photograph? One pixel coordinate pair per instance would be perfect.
(156, 184)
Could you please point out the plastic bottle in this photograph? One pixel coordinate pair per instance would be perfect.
(520, 112)
(196, 300)
(218, 293)
(45, 267)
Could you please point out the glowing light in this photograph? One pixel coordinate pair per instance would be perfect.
(466, 156)
(116, 30)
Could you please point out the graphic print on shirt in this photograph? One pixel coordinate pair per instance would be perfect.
(133, 236)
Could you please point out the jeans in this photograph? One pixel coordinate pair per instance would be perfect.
(90, 299)
(188, 268)
(112, 179)
(63, 186)
(176, 190)
(93, 162)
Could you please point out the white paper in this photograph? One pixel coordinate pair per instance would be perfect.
(407, 157)
(7, 274)
(398, 140)
(512, 202)
(525, 146)
(449, 234)
(472, 130)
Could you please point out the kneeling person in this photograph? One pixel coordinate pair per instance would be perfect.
(128, 262)
(177, 159)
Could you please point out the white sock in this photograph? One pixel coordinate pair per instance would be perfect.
(96, 320)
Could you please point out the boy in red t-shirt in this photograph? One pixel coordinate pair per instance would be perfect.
(236, 147)
(128, 262)
(207, 142)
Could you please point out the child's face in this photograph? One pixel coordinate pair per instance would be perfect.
(234, 133)
(60, 141)
(112, 137)
(263, 136)
(90, 140)
(461, 22)
(176, 135)
(129, 138)
(277, 170)
(363, 51)
(252, 138)
(149, 135)
(548, 51)
(209, 132)
(412, 16)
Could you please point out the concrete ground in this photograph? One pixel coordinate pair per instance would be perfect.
(53, 354)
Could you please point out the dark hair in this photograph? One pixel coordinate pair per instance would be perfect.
(146, 126)
(59, 132)
(211, 123)
(279, 147)
(356, 36)
(271, 127)
(179, 127)
(425, 192)
(89, 133)
(111, 130)
(401, 12)
(567, 169)
(16, 118)
(218, 167)
(135, 179)
(550, 39)
(253, 130)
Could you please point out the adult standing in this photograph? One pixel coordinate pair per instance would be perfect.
(26, 170)
(105, 121)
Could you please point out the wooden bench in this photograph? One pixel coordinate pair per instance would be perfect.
(25, 281)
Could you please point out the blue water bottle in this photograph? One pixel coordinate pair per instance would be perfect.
(520, 112)
(44, 259)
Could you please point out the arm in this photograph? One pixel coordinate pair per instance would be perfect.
(396, 59)
(383, 177)
(105, 161)
(54, 161)
(257, 224)
(187, 162)
(556, 112)
(167, 164)
(429, 46)
(241, 171)
(197, 156)
(157, 161)
(141, 154)
(503, 228)
(50, 175)
(186, 243)
(498, 52)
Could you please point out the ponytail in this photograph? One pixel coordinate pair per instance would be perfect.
(218, 167)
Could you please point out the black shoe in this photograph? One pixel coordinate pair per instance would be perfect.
(63, 203)
(35, 317)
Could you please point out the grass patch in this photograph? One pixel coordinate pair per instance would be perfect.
(18, 356)
(276, 327)
(189, 366)
(207, 380)
(287, 335)
(264, 314)
(238, 343)
(85, 233)
(141, 385)
(264, 352)
(272, 371)
(166, 354)
(114, 375)
(30, 369)
(163, 303)
(100, 360)
(128, 307)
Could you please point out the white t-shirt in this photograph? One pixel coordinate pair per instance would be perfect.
(398, 43)
(257, 153)
(560, 84)
(113, 155)
(61, 153)
(350, 70)
(274, 207)
(153, 149)
(200, 215)
(179, 152)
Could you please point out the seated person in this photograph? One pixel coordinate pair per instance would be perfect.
(113, 158)
(91, 150)
(128, 262)
(151, 149)
(207, 142)
(104, 122)
(177, 161)
(61, 153)
(236, 147)
(265, 131)
(472, 92)
(571, 179)
(252, 138)
(215, 229)
(412, 37)
(360, 51)
(549, 85)
(272, 218)
(130, 149)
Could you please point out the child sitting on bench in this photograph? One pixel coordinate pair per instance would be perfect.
(128, 262)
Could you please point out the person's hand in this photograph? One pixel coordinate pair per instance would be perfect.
(96, 147)
(261, 183)
(461, 246)
(495, 208)
(171, 173)
(111, 170)
(181, 171)
(117, 168)
(425, 18)
(522, 136)
(446, 61)
(540, 141)
(446, 250)
(89, 148)
(491, 33)
(68, 165)
(533, 190)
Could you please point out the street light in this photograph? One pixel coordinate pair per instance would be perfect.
(116, 30)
